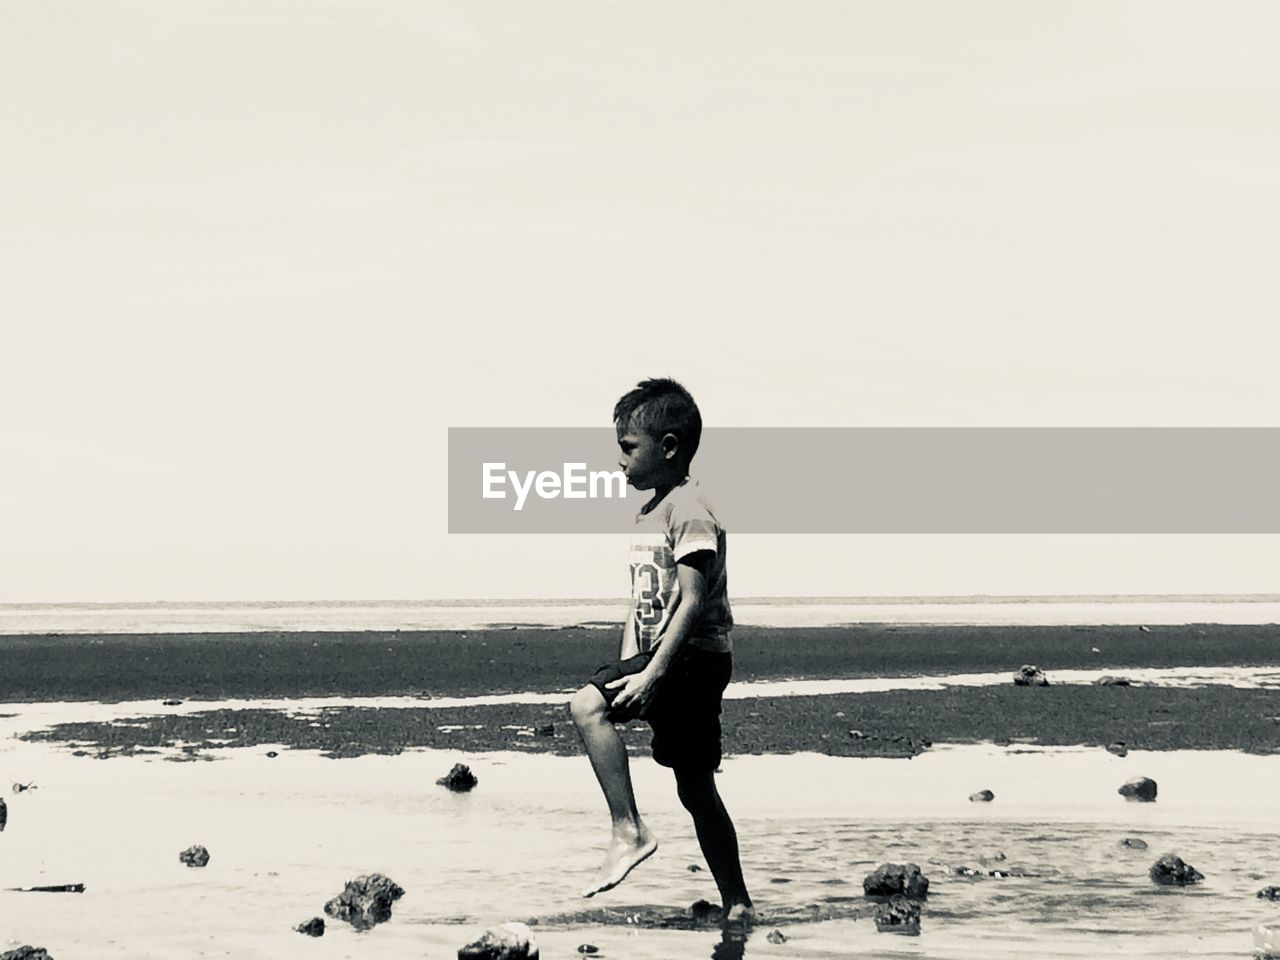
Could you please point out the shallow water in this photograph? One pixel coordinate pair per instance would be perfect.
(284, 834)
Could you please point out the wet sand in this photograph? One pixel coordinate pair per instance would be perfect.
(899, 723)
(892, 723)
(114, 667)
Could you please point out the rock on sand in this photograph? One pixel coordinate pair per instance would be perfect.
(1171, 871)
(982, 796)
(1139, 788)
(365, 901)
(312, 928)
(194, 856)
(896, 879)
(460, 779)
(1133, 843)
(703, 910)
(26, 953)
(510, 941)
(1029, 675)
(1269, 893)
(4, 813)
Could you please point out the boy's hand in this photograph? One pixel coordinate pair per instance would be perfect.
(637, 689)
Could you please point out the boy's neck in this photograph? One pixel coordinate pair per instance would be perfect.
(661, 490)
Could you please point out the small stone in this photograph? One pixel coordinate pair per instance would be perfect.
(776, 936)
(894, 879)
(1110, 681)
(1269, 893)
(1139, 788)
(1171, 871)
(899, 915)
(460, 779)
(546, 730)
(195, 856)
(171, 702)
(1094, 650)
(26, 953)
(857, 735)
(1119, 748)
(1133, 843)
(992, 856)
(312, 928)
(1145, 629)
(4, 814)
(22, 787)
(365, 901)
(1029, 675)
(509, 941)
(272, 754)
(703, 909)
(694, 868)
(588, 948)
(982, 796)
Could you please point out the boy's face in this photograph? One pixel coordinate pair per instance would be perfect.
(647, 461)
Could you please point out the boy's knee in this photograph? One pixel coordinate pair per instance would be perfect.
(587, 704)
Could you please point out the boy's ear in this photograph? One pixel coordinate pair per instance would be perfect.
(670, 445)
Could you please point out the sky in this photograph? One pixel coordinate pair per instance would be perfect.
(257, 256)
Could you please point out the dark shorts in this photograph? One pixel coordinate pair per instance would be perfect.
(685, 710)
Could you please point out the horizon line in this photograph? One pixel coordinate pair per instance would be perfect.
(853, 600)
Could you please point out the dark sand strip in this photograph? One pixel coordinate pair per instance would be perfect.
(897, 723)
(450, 663)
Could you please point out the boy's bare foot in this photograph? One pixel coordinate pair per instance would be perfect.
(740, 914)
(625, 851)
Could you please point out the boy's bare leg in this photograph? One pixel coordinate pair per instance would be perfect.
(631, 841)
(718, 839)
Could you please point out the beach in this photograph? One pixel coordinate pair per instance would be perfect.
(302, 759)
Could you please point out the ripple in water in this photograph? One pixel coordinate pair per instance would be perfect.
(1070, 891)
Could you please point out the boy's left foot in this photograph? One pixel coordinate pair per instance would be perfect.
(625, 852)
(740, 914)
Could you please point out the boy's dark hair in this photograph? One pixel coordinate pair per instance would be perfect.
(660, 406)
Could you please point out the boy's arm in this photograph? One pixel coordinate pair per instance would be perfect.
(691, 571)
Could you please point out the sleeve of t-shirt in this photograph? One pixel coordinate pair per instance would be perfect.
(692, 528)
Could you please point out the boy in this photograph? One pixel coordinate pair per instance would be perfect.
(675, 657)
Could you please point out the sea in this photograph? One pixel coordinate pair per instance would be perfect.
(275, 616)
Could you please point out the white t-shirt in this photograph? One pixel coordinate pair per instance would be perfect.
(678, 525)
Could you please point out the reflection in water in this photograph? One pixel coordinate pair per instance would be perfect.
(733, 943)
